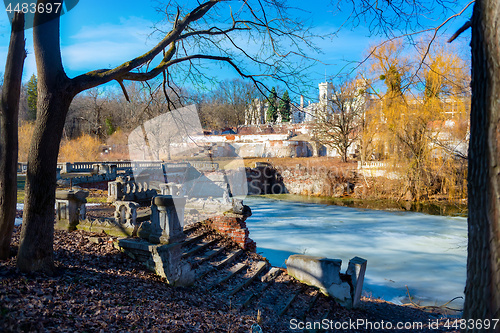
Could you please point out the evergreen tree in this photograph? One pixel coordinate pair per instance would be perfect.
(284, 107)
(32, 96)
(110, 129)
(272, 110)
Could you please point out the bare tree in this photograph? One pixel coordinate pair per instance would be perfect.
(338, 124)
(190, 38)
(225, 106)
(9, 109)
(482, 291)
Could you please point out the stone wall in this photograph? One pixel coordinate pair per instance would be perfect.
(304, 180)
(264, 179)
(235, 227)
(318, 181)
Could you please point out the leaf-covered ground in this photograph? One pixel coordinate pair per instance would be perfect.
(99, 289)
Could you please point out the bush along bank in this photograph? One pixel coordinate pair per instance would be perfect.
(345, 185)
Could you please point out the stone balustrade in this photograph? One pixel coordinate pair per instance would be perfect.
(204, 166)
(124, 223)
(85, 179)
(125, 189)
(371, 164)
(171, 189)
(126, 215)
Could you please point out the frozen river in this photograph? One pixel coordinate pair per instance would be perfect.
(427, 253)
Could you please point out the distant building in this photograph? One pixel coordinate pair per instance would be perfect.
(255, 114)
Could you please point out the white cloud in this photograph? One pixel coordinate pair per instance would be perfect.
(105, 45)
(128, 28)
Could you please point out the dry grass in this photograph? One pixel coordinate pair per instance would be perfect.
(83, 148)
(25, 133)
(289, 162)
(303, 161)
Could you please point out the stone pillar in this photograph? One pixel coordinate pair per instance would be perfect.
(167, 219)
(70, 208)
(357, 269)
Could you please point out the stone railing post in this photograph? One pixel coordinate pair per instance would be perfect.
(170, 189)
(70, 208)
(112, 170)
(66, 167)
(115, 191)
(167, 219)
(95, 169)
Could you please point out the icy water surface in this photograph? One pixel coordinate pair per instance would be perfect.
(427, 253)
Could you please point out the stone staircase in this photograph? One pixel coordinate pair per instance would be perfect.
(247, 280)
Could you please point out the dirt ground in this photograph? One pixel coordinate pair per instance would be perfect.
(100, 289)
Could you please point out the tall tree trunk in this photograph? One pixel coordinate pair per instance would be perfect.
(9, 110)
(482, 293)
(54, 97)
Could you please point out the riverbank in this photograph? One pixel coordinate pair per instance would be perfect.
(327, 180)
(443, 208)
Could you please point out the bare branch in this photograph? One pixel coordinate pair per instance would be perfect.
(120, 82)
(98, 77)
(466, 26)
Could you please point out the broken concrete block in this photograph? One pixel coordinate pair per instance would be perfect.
(325, 274)
(320, 272)
(165, 260)
(168, 264)
(341, 293)
(70, 208)
(357, 269)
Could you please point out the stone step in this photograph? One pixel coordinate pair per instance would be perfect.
(323, 318)
(261, 265)
(230, 257)
(289, 302)
(193, 239)
(191, 227)
(232, 272)
(210, 254)
(198, 247)
(311, 305)
(268, 280)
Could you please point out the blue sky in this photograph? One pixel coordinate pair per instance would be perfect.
(100, 34)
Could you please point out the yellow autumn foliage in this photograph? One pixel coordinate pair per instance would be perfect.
(423, 108)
